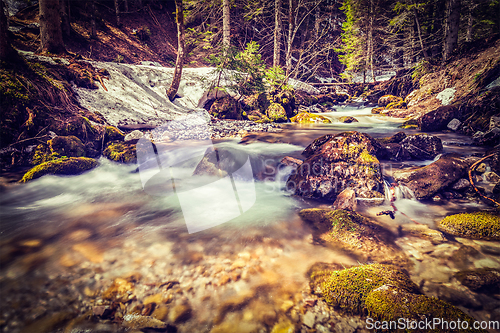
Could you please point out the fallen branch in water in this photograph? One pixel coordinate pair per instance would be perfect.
(472, 181)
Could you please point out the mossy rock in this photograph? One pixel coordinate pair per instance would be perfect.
(390, 303)
(480, 280)
(113, 134)
(411, 123)
(121, 152)
(348, 120)
(276, 113)
(286, 98)
(42, 153)
(377, 110)
(258, 117)
(62, 166)
(396, 105)
(388, 99)
(309, 118)
(258, 102)
(226, 108)
(353, 233)
(69, 146)
(478, 225)
(348, 289)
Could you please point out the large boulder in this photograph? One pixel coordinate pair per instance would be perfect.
(335, 162)
(276, 113)
(69, 146)
(388, 99)
(420, 147)
(438, 119)
(121, 152)
(62, 166)
(353, 233)
(286, 98)
(483, 279)
(427, 181)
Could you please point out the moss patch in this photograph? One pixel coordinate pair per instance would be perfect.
(389, 303)
(62, 166)
(348, 119)
(478, 225)
(309, 118)
(121, 152)
(113, 134)
(348, 289)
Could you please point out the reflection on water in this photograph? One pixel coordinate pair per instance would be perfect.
(68, 243)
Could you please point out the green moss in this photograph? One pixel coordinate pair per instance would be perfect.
(67, 146)
(389, 303)
(388, 99)
(478, 225)
(348, 289)
(113, 134)
(309, 118)
(366, 158)
(43, 154)
(62, 166)
(276, 113)
(121, 152)
(396, 105)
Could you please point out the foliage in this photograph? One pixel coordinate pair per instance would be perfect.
(238, 72)
(275, 76)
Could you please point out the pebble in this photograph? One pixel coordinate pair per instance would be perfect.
(179, 313)
(309, 319)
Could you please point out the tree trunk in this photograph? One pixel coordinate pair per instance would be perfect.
(50, 27)
(277, 33)
(65, 26)
(6, 50)
(226, 27)
(291, 27)
(451, 28)
(117, 11)
(370, 42)
(470, 23)
(180, 51)
(92, 20)
(126, 5)
(424, 52)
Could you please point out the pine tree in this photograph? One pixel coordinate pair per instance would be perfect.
(50, 27)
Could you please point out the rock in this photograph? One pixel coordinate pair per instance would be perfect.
(336, 162)
(257, 102)
(353, 233)
(478, 225)
(377, 110)
(411, 123)
(346, 200)
(461, 184)
(348, 119)
(133, 136)
(491, 177)
(481, 168)
(309, 118)
(290, 161)
(438, 119)
(225, 108)
(480, 280)
(49, 323)
(160, 312)
(180, 313)
(427, 181)
(138, 322)
(348, 289)
(112, 134)
(120, 291)
(494, 122)
(420, 147)
(389, 303)
(221, 162)
(454, 124)
(423, 231)
(69, 146)
(285, 98)
(276, 113)
(285, 326)
(62, 166)
(396, 138)
(387, 99)
(446, 96)
(121, 152)
(309, 319)
(490, 138)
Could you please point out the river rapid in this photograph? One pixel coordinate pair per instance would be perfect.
(68, 243)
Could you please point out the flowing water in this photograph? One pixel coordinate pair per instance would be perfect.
(65, 241)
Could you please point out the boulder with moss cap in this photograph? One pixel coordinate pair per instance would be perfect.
(62, 166)
(276, 113)
(478, 225)
(353, 233)
(121, 152)
(309, 118)
(69, 146)
(335, 162)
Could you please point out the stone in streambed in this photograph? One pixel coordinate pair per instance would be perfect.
(138, 322)
(121, 152)
(276, 113)
(353, 233)
(346, 200)
(478, 225)
(427, 181)
(348, 120)
(484, 279)
(454, 124)
(69, 146)
(335, 162)
(461, 184)
(180, 313)
(62, 166)
(133, 136)
(438, 119)
(420, 147)
(387, 99)
(309, 118)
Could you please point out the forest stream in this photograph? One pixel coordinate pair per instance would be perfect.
(73, 243)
